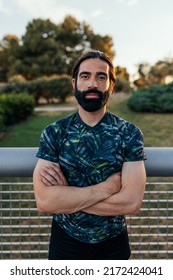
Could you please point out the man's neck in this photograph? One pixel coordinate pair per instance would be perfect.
(91, 118)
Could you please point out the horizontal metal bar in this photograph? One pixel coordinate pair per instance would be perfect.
(152, 226)
(20, 162)
(151, 243)
(24, 252)
(156, 209)
(152, 252)
(156, 200)
(151, 200)
(141, 218)
(149, 218)
(46, 226)
(26, 226)
(26, 218)
(35, 210)
(18, 201)
(46, 243)
(47, 234)
(13, 191)
(19, 209)
(25, 243)
(148, 234)
(45, 252)
(25, 234)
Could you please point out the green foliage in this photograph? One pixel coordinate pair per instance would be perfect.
(58, 87)
(47, 48)
(122, 85)
(1, 117)
(156, 128)
(16, 107)
(156, 74)
(156, 99)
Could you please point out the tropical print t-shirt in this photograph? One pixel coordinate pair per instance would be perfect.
(87, 156)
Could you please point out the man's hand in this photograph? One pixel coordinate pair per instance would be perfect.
(51, 175)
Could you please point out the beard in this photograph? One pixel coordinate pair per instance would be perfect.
(91, 104)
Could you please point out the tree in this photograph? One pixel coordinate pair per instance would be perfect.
(122, 73)
(47, 48)
(122, 80)
(37, 54)
(156, 74)
(161, 70)
(75, 37)
(104, 44)
(5, 44)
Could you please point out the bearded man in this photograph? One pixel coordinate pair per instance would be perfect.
(90, 172)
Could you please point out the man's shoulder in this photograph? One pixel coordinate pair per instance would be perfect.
(119, 121)
(123, 125)
(61, 123)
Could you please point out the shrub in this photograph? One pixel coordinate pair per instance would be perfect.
(156, 99)
(1, 118)
(16, 107)
(17, 78)
(122, 85)
(58, 87)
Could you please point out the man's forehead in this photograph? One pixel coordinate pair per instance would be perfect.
(94, 65)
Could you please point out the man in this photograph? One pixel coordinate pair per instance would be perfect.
(90, 171)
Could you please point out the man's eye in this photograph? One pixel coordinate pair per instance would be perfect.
(102, 78)
(84, 77)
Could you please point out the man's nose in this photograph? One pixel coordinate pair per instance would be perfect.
(92, 83)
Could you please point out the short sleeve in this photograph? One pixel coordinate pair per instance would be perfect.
(135, 145)
(48, 148)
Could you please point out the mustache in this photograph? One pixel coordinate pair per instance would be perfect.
(94, 90)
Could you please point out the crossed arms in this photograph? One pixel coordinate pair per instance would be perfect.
(119, 194)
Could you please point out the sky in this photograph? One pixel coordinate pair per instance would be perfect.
(141, 29)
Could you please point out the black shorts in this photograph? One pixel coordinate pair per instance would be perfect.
(64, 247)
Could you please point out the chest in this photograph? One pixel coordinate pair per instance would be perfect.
(92, 149)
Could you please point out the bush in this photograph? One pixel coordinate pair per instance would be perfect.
(58, 87)
(16, 107)
(122, 85)
(1, 118)
(156, 99)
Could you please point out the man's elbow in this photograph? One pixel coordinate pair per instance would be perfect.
(41, 206)
(135, 208)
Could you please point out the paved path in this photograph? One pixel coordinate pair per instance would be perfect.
(57, 108)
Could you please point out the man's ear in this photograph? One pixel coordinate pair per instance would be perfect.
(73, 83)
(112, 87)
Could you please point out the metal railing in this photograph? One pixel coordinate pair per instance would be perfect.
(25, 233)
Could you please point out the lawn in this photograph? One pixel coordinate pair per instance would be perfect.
(157, 128)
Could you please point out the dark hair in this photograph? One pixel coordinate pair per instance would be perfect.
(94, 54)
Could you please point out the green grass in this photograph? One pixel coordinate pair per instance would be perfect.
(27, 134)
(157, 128)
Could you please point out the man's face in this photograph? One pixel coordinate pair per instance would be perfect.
(92, 86)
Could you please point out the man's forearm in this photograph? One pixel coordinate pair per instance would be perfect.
(129, 199)
(69, 199)
(53, 196)
(117, 204)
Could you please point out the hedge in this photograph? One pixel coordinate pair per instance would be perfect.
(58, 87)
(15, 108)
(156, 99)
